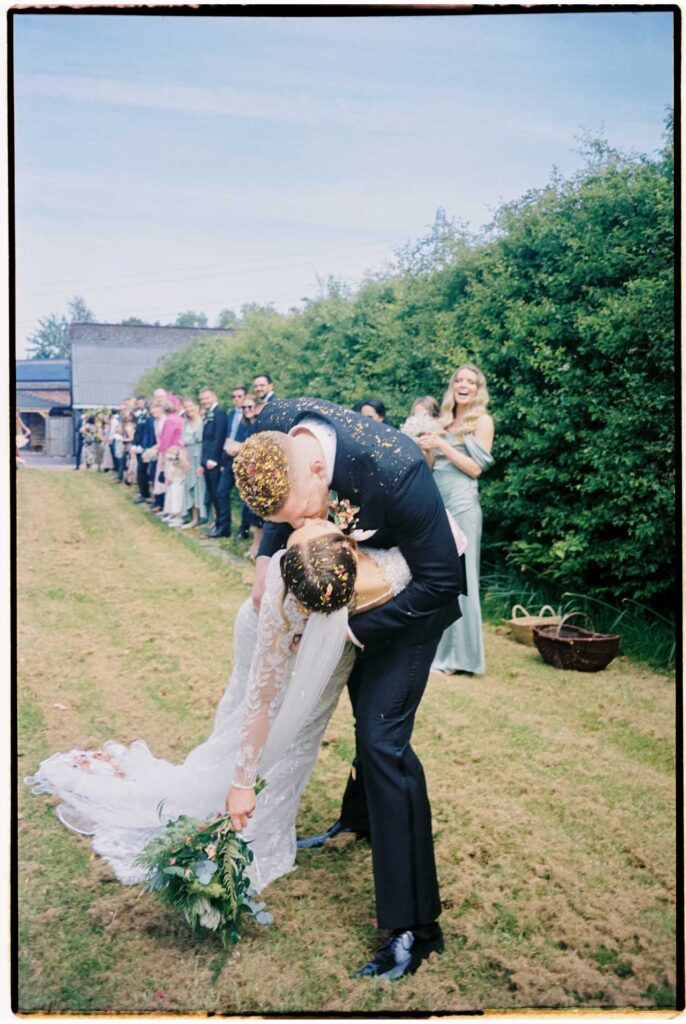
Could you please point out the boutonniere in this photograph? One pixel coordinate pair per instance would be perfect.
(343, 514)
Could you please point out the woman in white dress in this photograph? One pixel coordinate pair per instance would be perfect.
(271, 718)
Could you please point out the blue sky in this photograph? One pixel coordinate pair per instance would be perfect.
(172, 163)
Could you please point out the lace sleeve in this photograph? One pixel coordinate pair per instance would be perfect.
(269, 674)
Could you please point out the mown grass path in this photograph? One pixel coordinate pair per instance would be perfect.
(552, 794)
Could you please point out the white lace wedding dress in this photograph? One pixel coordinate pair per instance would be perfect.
(271, 719)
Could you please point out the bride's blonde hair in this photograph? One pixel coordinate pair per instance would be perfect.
(476, 408)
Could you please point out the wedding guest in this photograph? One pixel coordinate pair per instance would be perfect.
(194, 482)
(143, 438)
(150, 447)
(263, 388)
(22, 436)
(169, 437)
(118, 443)
(174, 475)
(159, 415)
(251, 409)
(373, 408)
(226, 479)
(92, 443)
(427, 404)
(78, 437)
(423, 419)
(129, 460)
(23, 433)
(461, 454)
(213, 437)
(110, 426)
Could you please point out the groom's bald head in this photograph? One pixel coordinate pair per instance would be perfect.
(283, 477)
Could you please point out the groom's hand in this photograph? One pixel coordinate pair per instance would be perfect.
(261, 566)
(240, 804)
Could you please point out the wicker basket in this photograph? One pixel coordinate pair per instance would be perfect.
(522, 624)
(572, 647)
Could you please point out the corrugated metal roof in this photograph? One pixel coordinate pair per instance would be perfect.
(50, 370)
(28, 401)
(108, 359)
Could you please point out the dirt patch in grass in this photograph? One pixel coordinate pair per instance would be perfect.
(552, 796)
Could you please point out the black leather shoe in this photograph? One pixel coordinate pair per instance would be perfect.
(402, 954)
(314, 842)
(216, 533)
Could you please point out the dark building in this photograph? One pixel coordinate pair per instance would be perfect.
(43, 395)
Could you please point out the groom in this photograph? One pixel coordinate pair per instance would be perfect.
(385, 476)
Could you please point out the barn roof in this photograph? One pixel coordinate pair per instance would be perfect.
(33, 372)
(108, 359)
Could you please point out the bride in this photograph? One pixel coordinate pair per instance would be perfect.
(290, 663)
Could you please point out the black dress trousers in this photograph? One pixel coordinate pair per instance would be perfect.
(387, 795)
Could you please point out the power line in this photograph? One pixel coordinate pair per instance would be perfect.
(23, 326)
(146, 278)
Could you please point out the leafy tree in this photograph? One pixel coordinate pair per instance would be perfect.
(133, 321)
(191, 319)
(79, 313)
(227, 318)
(51, 340)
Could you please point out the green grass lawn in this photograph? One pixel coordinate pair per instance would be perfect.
(553, 797)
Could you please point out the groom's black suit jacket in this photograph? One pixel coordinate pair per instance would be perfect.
(385, 473)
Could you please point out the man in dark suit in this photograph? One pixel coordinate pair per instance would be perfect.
(263, 386)
(222, 527)
(78, 437)
(385, 475)
(143, 437)
(213, 437)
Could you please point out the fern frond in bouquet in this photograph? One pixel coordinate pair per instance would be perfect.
(199, 869)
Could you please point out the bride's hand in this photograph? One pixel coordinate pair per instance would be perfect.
(261, 566)
(240, 804)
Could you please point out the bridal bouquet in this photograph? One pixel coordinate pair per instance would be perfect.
(198, 867)
(421, 423)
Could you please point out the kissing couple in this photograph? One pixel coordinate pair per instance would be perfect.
(362, 602)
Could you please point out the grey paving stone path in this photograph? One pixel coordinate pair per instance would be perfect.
(37, 460)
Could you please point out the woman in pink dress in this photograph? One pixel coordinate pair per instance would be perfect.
(169, 437)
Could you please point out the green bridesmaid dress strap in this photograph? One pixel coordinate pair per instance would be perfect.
(482, 458)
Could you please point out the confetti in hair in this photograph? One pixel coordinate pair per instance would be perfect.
(262, 474)
(320, 573)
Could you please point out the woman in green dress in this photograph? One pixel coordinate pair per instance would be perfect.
(461, 453)
(194, 485)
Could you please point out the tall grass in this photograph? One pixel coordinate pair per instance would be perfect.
(646, 635)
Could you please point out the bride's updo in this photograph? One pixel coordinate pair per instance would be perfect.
(320, 573)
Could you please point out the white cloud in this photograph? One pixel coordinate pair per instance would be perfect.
(223, 101)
